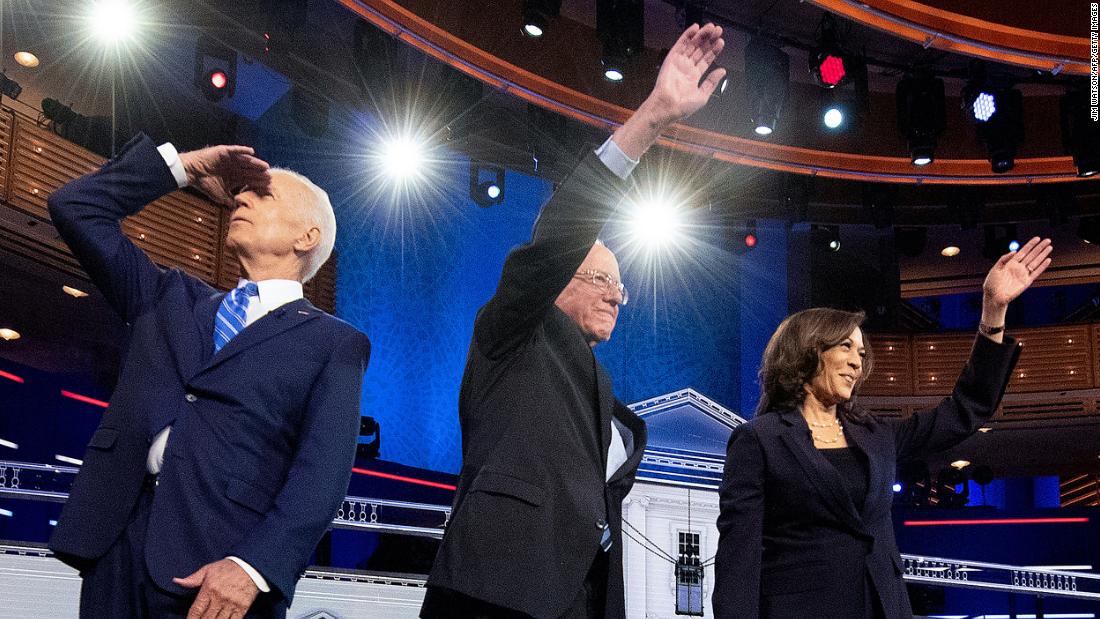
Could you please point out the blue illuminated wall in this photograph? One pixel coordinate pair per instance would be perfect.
(414, 270)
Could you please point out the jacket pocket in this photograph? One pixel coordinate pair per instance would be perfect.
(104, 438)
(243, 493)
(500, 483)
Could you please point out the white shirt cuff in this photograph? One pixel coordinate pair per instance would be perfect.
(261, 584)
(615, 159)
(172, 160)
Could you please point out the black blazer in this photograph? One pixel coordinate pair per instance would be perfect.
(535, 409)
(791, 542)
(263, 433)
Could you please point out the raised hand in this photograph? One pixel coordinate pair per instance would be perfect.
(1014, 273)
(681, 89)
(221, 172)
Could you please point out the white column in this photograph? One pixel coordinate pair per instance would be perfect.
(634, 556)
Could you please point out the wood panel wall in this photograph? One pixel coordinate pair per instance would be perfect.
(181, 230)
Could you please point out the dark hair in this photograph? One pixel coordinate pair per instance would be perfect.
(793, 357)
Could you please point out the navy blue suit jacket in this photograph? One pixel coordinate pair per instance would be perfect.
(263, 433)
(791, 542)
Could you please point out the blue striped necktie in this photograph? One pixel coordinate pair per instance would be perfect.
(230, 319)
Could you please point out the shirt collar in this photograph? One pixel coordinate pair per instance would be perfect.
(275, 293)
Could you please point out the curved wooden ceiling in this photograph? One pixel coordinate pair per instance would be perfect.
(439, 43)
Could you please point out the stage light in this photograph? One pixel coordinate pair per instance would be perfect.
(825, 237)
(767, 75)
(656, 221)
(950, 251)
(1000, 124)
(960, 464)
(1088, 229)
(402, 158)
(218, 79)
(537, 15)
(9, 335)
(1013, 246)
(829, 65)
(370, 439)
(9, 87)
(620, 25)
(1080, 135)
(76, 293)
(486, 184)
(984, 106)
(26, 59)
(112, 21)
(896, 487)
(833, 117)
(921, 115)
(215, 69)
(745, 238)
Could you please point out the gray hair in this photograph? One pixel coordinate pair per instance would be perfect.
(317, 212)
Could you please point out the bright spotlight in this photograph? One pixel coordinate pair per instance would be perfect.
(112, 21)
(402, 158)
(613, 75)
(833, 118)
(897, 487)
(922, 160)
(985, 106)
(1013, 245)
(532, 30)
(656, 222)
(763, 130)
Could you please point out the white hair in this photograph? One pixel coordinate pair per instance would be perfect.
(317, 212)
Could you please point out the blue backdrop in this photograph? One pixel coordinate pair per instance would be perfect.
(414, 268)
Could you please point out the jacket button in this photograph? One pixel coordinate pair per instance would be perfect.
(601, 523)
(190, 397)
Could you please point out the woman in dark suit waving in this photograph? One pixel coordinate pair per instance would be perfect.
(805, 528)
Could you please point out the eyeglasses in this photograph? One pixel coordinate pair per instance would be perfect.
(604, 282)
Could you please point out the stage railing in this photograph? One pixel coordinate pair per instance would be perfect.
(943, 572)
(46, 482)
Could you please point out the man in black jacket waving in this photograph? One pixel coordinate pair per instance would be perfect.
(548, 452)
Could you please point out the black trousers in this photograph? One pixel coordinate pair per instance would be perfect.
(118, 584)
(441, 603)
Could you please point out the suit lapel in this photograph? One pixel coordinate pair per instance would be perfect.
(796, 434)
(862, 438)
(286, 317)
(204, 312)
(607, 403)
(637, 428)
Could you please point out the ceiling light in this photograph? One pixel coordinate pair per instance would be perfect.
(960, 464)
(921, 115)
(9, 334)
(950, 251)
(767, 71)
(112, 21)
(76, 293)
(26, 59)
(486, 184)
(828, 63)
(1000, 123)
(833, 117)
(613, 74)
(984, 430)
(620, 25)
(984, 106)
(537, 15)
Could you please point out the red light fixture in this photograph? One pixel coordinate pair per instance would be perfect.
(408, 480)
(218, 79)
(11, 377)
(750, 240)
(832, 70)
(84, 398)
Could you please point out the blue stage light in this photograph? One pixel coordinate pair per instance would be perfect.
(1013, 245)
(897, 487)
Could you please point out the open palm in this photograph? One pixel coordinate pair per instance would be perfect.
(680, 89)
(1014, 272)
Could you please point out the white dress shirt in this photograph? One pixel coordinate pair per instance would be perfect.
(273, 294)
